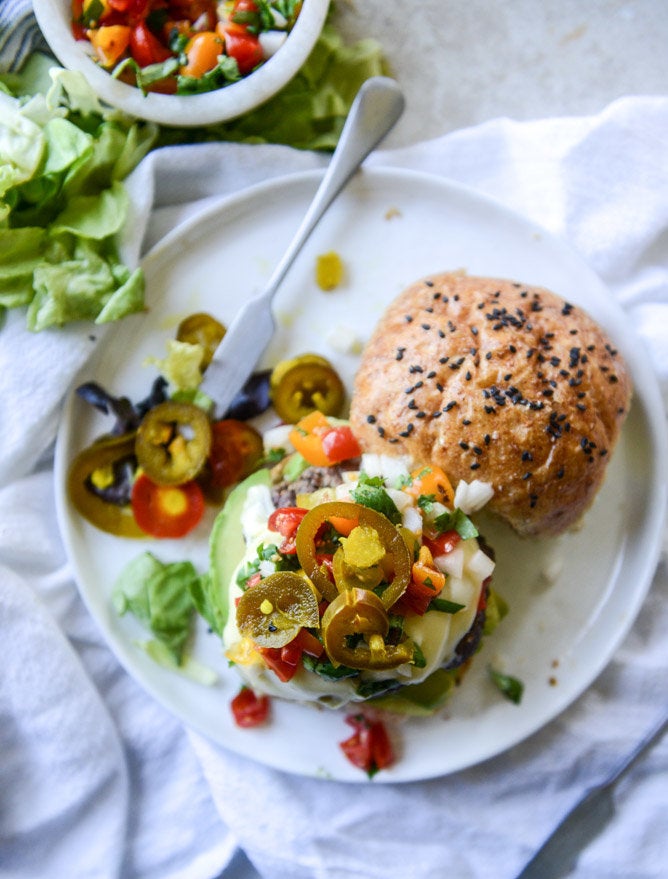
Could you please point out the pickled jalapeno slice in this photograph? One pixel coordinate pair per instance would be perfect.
(273, 611)
(303, 384)
(399, 558)
(173, 442)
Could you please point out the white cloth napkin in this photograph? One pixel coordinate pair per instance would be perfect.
(97, 780)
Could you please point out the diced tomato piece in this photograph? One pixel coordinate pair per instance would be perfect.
(307, 643)
(110, 42)
(340, 444)
(273, 659)
(249, 709)
(442, 544)
(145, 47)
(286, 521)
(321, 443)
(202, 53)
(369, 748)
(245, 48)
(417, 597)
(284, 661)
(166, 510)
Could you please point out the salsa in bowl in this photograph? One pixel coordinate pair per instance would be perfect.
(183, 62)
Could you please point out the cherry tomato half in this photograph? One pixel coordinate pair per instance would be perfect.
(166, 510)
(236, 450)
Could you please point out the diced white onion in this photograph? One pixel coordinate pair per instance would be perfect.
(452, 563)
(267, 567)
(278, 437)
(279, 19)
(472, 496)
(271, 42)
(401, 500)
(392, 470)
(481, 565)
(413, 520)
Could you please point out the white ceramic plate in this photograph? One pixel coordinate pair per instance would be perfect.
(390, 228)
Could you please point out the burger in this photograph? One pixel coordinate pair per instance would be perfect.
(364, 578)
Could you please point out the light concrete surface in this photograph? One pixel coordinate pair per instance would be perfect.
(461, 62)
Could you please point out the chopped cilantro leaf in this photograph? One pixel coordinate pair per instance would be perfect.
(456, 521)
(370, 493)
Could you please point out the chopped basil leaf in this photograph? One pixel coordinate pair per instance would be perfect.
(445, 606)
(376, 481)
(456, 521)
(511, 687)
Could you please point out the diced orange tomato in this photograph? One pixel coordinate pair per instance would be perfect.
(426, 583)
(321, 443)
(431, 481)
(202, 51)
(343, 526)
(110, 42)
(306, 436)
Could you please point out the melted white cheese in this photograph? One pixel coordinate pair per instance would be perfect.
(436, 633)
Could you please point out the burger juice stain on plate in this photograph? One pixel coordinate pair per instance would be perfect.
(607, 565)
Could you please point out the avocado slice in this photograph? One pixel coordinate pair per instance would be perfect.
(226, 548)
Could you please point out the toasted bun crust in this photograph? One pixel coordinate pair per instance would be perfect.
(497, 381)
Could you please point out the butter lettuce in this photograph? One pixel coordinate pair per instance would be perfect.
(62, 203)
(158, 595)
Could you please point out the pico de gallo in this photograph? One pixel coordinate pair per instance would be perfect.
(183, 46)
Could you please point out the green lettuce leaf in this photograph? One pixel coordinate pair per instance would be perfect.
(62, 203)
(158, 595)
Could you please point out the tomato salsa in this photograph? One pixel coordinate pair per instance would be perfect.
(183, 46)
